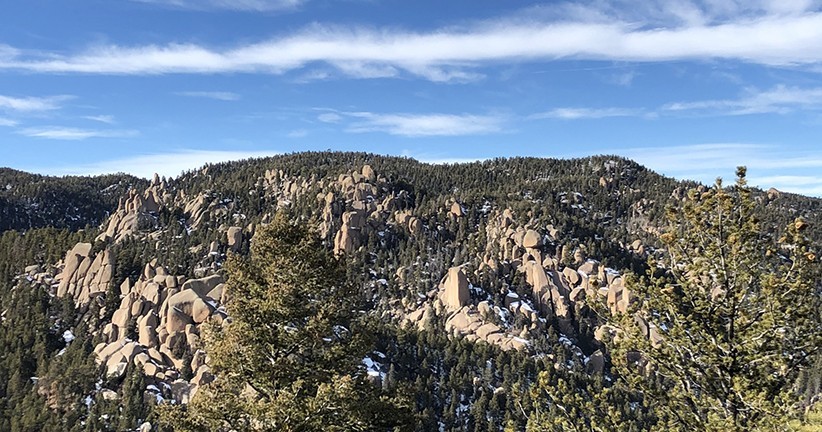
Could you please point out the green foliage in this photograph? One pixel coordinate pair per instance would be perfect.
(33, 201)
(290, 358)
(738, 314)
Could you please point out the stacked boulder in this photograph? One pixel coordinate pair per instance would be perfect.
(136, 210)
(85, 275)
(157, 326)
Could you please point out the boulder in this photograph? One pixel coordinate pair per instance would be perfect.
(455, 289)
(151, 370)
(368, 173)
(457, 210)
(484, 307)
(571, 276)
(186, 307)
(147, 336)
(121, 318)
(589, 267)
(414, 225)
(577, 294)
(106, 351)
(531, 239)
(204, 285)
(116, 370)
(486, 330)
(235, 238)
(125, 287)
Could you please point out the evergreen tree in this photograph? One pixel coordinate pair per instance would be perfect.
(723, 325)
(290, 358)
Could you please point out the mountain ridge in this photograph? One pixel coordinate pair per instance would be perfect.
(519, 247)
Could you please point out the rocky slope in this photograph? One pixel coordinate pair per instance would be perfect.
(496, 252)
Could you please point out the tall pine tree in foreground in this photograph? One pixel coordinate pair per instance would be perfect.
(725, 322)
(290, 359)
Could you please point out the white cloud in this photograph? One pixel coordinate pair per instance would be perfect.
(216, 95)
(586, 113)
(780, 99)
(168, 164)
(298, 133)
(75, 134)
(107, 119)
(765, 35)
(7, 122)
(238, 5)
(329, 117)
(31, 104)
(418, 125)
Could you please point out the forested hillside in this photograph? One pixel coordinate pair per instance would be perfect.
(34, 201)
(350, 291)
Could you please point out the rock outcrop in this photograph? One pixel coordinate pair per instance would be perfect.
(85, 275)
(234, 237)
(136, 211)
(454, 289)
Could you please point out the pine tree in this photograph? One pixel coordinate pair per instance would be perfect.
(289, 360)
(723, 325)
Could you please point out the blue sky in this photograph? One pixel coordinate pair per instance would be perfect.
(689, 88)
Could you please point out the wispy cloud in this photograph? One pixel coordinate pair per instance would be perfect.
(766, 35)
(329, 117)
(31, 104)
(420, 125)
(74, 134)
(298, 133)
(216, 95)
(779, 99)
(168, 164)
(7, 122)
(107, 119)
(238, 5)
(586, 113)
